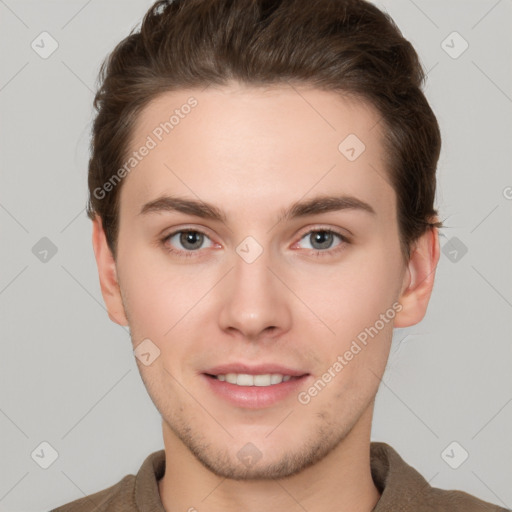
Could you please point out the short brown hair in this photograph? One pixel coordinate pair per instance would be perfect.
(344, 46)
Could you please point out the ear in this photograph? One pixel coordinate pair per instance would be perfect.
(418, 279)
(107, 274)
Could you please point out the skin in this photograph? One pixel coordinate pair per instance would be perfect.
(252, 152)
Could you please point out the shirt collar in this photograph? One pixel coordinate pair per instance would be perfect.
(398, 483)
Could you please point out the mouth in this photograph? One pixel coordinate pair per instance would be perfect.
(246, 379)
(254, 388)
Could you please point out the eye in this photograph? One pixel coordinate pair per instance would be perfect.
(190, 240)
(321, 241)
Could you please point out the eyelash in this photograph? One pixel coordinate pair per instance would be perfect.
(317, 252)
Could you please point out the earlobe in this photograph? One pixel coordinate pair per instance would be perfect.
(107, 274)
(418, 279)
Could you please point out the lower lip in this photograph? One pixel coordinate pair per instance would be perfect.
(254, 397)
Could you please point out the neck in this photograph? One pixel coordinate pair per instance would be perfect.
(339, 482)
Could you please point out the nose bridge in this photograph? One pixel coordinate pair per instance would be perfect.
(255, 299)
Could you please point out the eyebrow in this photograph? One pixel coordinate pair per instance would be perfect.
(313, 206)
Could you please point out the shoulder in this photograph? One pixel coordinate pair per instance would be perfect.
(115, 498)
(459, 501)
(403, 488)
(131, 494)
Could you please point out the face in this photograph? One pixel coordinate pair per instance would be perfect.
(264, 287)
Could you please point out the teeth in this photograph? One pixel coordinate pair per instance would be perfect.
(244, 379)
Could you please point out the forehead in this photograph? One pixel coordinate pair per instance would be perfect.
(240, 146)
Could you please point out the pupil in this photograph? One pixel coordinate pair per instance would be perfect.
(323, 235)
(192, 238)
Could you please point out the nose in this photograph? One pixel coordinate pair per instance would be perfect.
(255, 302)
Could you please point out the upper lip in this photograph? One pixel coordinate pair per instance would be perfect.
(260, 369)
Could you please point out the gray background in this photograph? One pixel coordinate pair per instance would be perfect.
(67, 373)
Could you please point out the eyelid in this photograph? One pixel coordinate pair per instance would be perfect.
(337, 231)
(195, 228)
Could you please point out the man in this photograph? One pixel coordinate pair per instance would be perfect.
(261, 187)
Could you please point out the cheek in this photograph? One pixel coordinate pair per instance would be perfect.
(353, 295)
(364, 324)
(160, 299)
